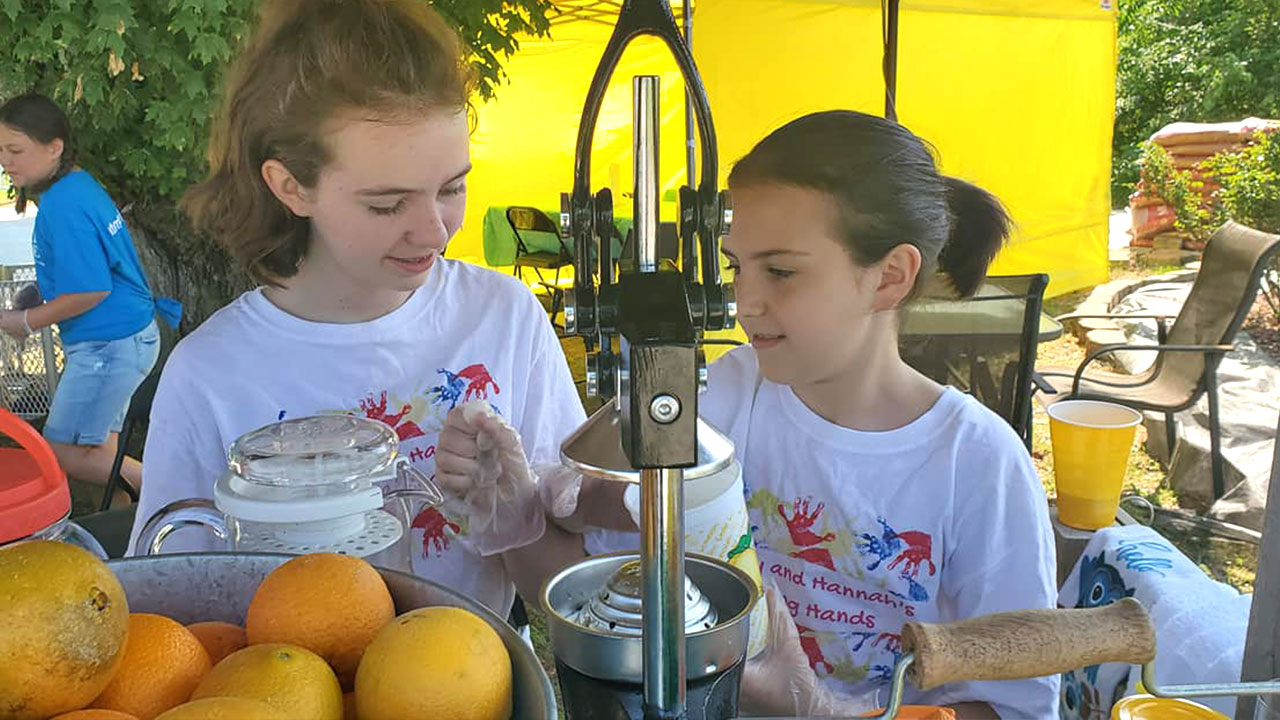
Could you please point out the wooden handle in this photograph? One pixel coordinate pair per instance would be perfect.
(1028, 643)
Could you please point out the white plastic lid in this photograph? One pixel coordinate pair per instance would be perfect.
(267, 504)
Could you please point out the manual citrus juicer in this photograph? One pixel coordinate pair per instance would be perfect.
(647, 634)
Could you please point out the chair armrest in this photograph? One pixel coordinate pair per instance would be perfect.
(1111, 316)
(1038, 383)
(1206, 349)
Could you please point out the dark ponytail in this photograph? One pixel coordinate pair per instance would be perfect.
(979, 226)
(888, 190)
(40, 119)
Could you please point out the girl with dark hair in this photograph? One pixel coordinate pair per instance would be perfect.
(876, 496)
(93, 286)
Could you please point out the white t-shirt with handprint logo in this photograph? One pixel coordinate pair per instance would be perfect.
(467, 334)
(941, 519)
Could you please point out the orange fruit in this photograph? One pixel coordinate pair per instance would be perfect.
(94, 714)
(224, 708)
(330, 604)
(291, 679)
(349, 706)
(63, 632)
(435, 662)
(163, 662)
(219, 639)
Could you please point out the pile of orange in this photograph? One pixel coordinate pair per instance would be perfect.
(317, 625)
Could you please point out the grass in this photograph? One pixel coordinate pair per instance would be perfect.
(542, 648)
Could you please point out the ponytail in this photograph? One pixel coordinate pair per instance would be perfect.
(979, 227)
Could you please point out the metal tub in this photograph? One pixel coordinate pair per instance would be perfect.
(196, 587)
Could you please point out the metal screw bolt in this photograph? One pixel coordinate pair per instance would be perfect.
(664, 409)
(593, 376)
(570, 312)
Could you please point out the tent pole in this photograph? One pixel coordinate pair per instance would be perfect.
(1263, 636)
(889, 9)
(690, 128)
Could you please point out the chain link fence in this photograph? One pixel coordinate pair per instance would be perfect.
(29, 367)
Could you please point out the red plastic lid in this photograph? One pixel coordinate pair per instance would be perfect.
(33, 487)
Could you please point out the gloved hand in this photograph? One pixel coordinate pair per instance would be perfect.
(779, 680)
(481, 465)
(559, 489)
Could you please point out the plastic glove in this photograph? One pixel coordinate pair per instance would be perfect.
(779, 681)
(559, 488)
(480, 463)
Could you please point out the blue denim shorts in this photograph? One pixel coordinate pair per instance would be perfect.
(98, 380)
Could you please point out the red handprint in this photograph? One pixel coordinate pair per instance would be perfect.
(478, 382)
(800, 522)
(433, 524)
(378, 411)
(812, 650)
(919, 550)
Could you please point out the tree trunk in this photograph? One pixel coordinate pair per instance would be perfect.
(183, 264)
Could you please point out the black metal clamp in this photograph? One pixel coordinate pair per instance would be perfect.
(592, 308)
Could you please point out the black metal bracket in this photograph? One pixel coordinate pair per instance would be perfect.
(588, 218)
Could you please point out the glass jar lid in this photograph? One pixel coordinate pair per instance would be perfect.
(314, 451)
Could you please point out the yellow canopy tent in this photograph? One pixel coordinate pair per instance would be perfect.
(1016, 95)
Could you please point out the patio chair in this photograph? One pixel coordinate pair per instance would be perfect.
(138, 413)
(527, 225)
(136, 416)
(988, 348)
(1188, 351)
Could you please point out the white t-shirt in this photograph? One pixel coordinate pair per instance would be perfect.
(467, 333)
(939, 520)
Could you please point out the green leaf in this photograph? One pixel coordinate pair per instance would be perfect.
(146, 139)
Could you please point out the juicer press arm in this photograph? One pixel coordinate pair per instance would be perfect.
(591, 307)
(659, 315)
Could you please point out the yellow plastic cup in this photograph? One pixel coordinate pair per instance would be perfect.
(1091, 445)
(1145, 707)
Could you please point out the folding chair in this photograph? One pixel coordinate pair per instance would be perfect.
(533, 229)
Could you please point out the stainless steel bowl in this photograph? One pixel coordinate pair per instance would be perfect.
(605, 655)
(195, 587)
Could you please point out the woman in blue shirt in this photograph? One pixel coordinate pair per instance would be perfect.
(92, 284)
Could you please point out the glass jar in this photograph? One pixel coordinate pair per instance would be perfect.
(35, 502)
(325, 483)
(68, 532)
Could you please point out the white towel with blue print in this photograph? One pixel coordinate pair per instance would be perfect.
(1200, 623)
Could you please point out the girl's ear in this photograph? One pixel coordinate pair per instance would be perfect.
(286, 188)
(898, 272)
